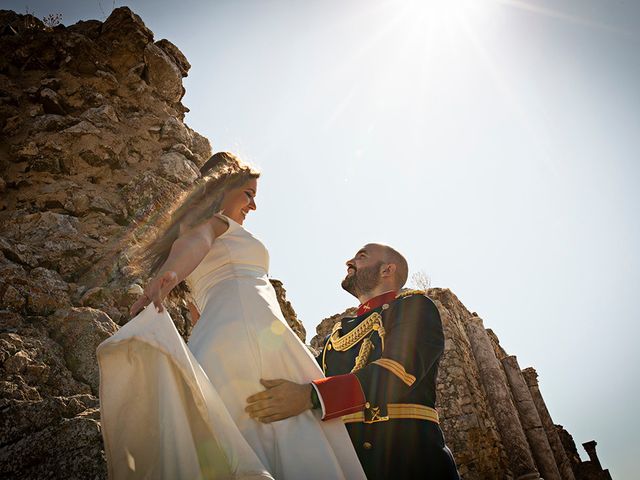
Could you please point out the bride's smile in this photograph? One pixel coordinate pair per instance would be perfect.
(240, 200)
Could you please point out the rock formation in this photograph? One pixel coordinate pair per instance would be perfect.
(588, 470)
(288, 311)
(93, 147)
(492, 413)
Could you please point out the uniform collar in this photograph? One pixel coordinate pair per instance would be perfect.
(376, 302)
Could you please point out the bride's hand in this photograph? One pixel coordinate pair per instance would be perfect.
(156, 291)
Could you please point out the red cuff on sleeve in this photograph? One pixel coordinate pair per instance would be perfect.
(341, 395)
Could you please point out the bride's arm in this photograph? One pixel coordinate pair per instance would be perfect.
(186, 254)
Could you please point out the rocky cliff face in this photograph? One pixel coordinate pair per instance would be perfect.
(93, 146)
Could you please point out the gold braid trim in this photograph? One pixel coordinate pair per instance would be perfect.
(399, 410)
(397, 369)
(365, 350)
(406, 293)
(345, 342)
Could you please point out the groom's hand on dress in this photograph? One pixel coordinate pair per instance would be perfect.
(281, 399)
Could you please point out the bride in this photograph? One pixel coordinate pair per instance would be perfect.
(174, 411)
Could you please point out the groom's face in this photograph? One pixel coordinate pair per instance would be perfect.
(363, 270)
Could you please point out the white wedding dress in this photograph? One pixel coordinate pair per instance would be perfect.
(175, 412)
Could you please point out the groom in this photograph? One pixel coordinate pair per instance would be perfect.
(381, 368)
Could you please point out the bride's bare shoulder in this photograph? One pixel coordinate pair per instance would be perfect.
(219, 225)
(212, 228)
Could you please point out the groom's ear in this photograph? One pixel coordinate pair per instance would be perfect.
(388, 270)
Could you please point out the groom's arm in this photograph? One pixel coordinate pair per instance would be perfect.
(413, 344)
(283, 398)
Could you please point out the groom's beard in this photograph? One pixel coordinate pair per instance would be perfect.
(363, 280)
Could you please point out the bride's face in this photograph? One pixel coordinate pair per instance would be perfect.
(239, 201)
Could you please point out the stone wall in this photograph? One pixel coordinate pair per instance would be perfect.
(589, 469)
(469, 428)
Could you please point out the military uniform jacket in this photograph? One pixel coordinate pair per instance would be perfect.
(381, 370)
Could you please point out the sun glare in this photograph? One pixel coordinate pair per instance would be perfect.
(425, 26)
(448, 14)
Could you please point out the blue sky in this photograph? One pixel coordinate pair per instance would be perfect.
(493, 142)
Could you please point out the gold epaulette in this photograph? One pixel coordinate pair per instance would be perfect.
(345, 342)
(407, 293)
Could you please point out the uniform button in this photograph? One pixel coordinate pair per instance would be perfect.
(329, 347)
(367, 446)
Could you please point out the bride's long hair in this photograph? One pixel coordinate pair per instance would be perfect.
(221, 173)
